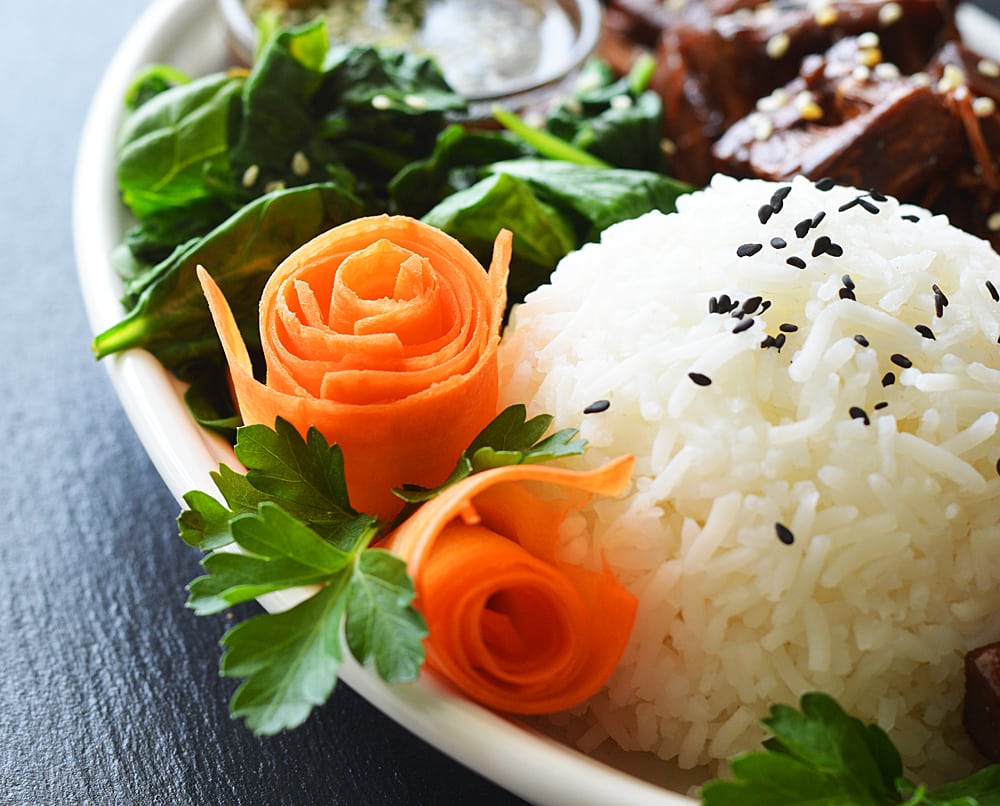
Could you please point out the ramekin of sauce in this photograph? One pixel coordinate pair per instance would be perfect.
(512, 52)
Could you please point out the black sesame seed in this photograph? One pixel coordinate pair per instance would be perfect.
(784, 534)
(880, 405)
(925, 331)
(764, 213)
(998, 467)
(846, 293)
(845, 207)
(835, 250)
(780, 194)
(847, 281)
(779, 341)
(858, 413)
(597, 406)
(748, 249)
(779, 243)
(901, 360)
(888, 379)
(713, 305)
(861, 340)
(751, 304)
(940, 300)
(768, 341)
(787, 327)
(816, 219)
(826, 183)
(744, 324)
(796, 261)
(912, 218)
(725, 304)
(765, 305)
(803, 227)
(993, 291)
(879, 197)
(868, 206)
(699, 379)
(823, 243)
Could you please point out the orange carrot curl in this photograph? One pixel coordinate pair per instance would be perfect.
(382, 333)
(510, 625)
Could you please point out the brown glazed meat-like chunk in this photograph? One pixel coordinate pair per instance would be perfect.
(982, 699)
(712, 66)
(853, 123)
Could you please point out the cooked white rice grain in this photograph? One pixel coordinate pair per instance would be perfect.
(887, 482)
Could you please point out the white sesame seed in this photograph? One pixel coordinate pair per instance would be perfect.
(777, 45)
(984, 106)
(887, 71)
(381, 102)
(621, 102)
(300, 164)
(774, 101)
(988, 68)
(861, 73)
(250, 176)
(921, 79)
(890, 13)
(668, 146)
(825, 16)
(993, 222)
(760, 125)
(870, 56)
(415, 101)
(951, 78)
(273, 185)
(868, 40)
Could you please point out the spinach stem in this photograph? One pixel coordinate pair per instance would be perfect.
(547, 145)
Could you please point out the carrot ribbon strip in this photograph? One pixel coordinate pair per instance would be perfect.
(382, 333)
(510, 625)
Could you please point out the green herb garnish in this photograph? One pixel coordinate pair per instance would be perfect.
(824, 757)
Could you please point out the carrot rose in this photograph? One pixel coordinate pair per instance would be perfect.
(509, 624)
(382, 333)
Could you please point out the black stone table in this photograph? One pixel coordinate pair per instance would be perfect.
(109, 691)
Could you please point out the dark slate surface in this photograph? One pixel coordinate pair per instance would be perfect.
(108, 685)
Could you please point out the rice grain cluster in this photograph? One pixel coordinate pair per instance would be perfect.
(809, 378)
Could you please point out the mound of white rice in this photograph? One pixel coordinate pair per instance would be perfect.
(816, 498)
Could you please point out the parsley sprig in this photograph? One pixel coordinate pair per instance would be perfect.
(822, 756)
(287, 524)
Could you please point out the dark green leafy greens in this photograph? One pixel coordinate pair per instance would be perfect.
(825, 757)
(287, 524)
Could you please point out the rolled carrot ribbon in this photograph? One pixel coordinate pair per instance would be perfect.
(382, 333)
(509, 624)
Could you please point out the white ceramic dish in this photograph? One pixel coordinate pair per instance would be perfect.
(191, 35)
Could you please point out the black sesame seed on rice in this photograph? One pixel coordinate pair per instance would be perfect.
(901, 360)
(713, 305)
(925, 331)
(998, 467)
(796, 261)
(880, 405)
(699, 379)
(803, 227)
(993, 291)
(846, 293)
(826, 183)
(914, 219)
(779, 243)
(889, 379)
(764, 213)
(597, 407)
(744, 324)
(816, 219)
(748, 249)
(868, 206)
(750, 304)
(784, 534)
(821, 245)
(779, 196)
(847, 281)
(861, 340)
(787, 327)
(858, 413)
(879, 197)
